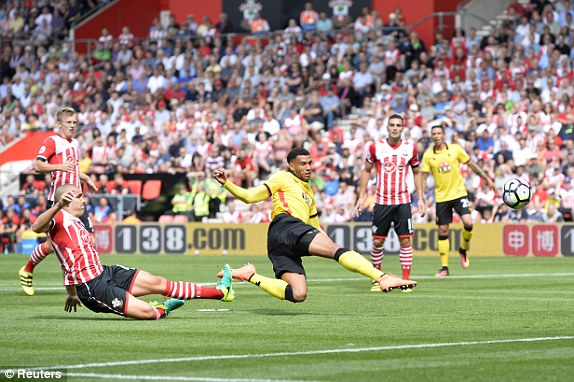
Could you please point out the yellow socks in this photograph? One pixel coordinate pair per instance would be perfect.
(274, 287)
(355, 262)
(443, 249)
(466, 236)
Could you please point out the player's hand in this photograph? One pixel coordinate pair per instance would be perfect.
(91, 186)
(358, 208)
(66, 199)
(67, 167)
(493, 187)
(422, 206)
(72, 303)
(220, 175)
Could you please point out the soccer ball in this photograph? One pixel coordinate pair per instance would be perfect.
(516, 193)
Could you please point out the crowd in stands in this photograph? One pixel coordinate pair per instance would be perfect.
(189, 98)
(42, 21)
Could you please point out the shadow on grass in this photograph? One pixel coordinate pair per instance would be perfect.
(271, 312)
(81, 318)
(99, 317)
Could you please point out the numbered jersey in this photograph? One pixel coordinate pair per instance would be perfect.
(73, 246)
(392, 165)
(445, 168)
(57, 150)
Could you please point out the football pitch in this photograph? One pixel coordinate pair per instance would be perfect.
(503, 319)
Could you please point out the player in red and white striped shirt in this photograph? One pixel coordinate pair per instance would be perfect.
(392, 158)
(59, 156)
(111, 289)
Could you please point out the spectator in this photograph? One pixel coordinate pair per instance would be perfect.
(308, 19)
(324, 24)
(314, 113)
(259, 26)
(244, 170)
(293, 30)
(182, 202)
(331, 107)
(232, 216)
(8, 228)
(363, 81)
(224, 26)
(42, 34)
(126, 37)
(131, 218)
(106, 38)
(256, 215)
(103, 211)
(32, 186)
(200, 202)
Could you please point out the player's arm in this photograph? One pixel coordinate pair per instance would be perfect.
(44, 222)
(419, 185)
(72, 301)
(43, 167)
(478, 171)
(89, 182)
(252, 195)
(363, 183)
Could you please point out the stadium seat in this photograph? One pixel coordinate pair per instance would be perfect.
(166, 219)
(179, 219)
(135, 186)
(151, 189)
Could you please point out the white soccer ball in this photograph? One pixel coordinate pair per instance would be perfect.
(516, 193)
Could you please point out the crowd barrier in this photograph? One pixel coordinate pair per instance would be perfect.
(497, 239)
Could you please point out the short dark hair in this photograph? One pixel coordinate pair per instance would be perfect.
(396, 116)
(295, 153)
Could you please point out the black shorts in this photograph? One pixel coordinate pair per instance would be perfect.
(288, 240)
(84, 218)
(401, 217)
(444, 210)
(107, 293)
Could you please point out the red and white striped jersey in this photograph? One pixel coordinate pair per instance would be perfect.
(73, 246)
(99, 154)
(392, 166)
(56, 150)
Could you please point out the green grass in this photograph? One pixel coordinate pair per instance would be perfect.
(447, 329)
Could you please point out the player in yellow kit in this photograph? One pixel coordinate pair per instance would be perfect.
(450, 193)
(295, 232)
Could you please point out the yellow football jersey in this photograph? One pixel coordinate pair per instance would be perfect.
(292, 196)
(445, 168)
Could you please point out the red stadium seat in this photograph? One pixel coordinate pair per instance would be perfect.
(151, 189)
(135, 186)
(166, 219)
(180, 219)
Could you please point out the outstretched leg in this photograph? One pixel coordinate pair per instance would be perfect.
(145, 283)
(323, 246)
(292, 287)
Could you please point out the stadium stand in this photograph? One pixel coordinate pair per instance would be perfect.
(186, 99)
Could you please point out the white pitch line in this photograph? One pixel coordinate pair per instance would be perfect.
(487, 276)
(510, 275)
(290, 354)
(37, 289)
(171, 378)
